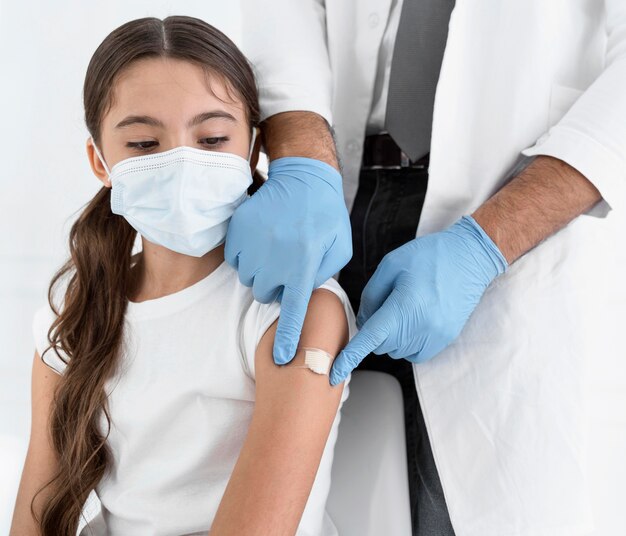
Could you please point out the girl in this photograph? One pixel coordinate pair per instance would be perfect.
(153, 378)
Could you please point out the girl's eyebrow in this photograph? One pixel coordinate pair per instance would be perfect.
(151, 121)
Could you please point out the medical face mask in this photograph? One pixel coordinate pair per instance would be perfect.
(181, 199)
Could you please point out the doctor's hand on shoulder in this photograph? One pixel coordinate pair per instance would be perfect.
(421, 295)
(294, 232)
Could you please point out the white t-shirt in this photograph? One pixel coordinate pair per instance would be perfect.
(181, 404)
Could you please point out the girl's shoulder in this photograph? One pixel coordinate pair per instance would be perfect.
(258, 317)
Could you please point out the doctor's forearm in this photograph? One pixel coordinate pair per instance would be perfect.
(542, 199)
(299, 133)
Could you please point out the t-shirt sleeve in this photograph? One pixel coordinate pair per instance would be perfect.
(261, 316)
(53, 357)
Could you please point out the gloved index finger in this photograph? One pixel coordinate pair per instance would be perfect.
(373, 333)
(293, 306)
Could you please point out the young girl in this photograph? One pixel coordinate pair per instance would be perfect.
(153, 378)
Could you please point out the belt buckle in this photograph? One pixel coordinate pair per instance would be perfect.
(405, 161)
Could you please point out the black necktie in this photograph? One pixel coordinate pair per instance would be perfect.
(415, 66)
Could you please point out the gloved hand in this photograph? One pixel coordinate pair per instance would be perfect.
(421, 295)
(288, 238)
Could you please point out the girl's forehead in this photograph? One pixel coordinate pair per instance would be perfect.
(172, 84)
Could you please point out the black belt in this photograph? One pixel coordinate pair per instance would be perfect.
(381, 152)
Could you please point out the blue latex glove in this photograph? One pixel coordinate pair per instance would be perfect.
(421, 296)
(288, 238)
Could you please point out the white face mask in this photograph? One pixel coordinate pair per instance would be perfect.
(181, 199)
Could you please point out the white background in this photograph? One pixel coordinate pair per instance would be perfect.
(45, 179)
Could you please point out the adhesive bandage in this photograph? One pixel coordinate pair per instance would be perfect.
(316, 360)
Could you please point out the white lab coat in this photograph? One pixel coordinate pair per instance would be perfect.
(504, 404)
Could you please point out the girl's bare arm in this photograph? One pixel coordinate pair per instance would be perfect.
(40, 464)
(294, 412)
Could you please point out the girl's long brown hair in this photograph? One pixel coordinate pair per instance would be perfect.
(89, 325)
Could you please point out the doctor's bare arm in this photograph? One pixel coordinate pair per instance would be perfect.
(299, 133)
(580, 159)
(294, 412)
(542, 199)
(41, 463)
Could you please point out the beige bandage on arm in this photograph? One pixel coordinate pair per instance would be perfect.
(316, 360)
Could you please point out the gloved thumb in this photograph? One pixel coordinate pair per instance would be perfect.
(375, 293)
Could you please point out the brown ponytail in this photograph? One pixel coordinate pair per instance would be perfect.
(89, 329)
(90, 324)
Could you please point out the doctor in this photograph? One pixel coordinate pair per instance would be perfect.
(477, 202)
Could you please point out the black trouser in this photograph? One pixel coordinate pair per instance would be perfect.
(384, 216)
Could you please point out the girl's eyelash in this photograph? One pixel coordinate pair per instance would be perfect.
(141, 145)
(218, 139)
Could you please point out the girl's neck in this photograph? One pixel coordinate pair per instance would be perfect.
(160, 271)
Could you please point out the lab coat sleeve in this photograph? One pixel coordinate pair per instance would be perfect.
(591, 136)
(285, 40)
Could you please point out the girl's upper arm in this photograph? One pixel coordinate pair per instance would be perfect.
(41, 463)
(294, 412)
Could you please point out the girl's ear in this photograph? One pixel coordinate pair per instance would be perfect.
(96, 164)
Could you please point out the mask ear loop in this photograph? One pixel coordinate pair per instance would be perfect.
(100, 157)
(252, 143)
